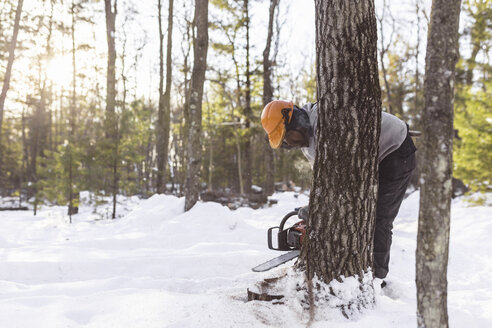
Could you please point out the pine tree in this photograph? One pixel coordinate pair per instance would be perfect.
(472, 156)
(472, 107)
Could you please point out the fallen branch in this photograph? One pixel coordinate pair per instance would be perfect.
(22, 208)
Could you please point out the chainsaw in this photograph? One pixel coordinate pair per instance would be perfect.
(287, 239)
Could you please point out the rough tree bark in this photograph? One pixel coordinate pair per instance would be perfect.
(343, 195)
(194, 152)
(10, 63)
(164, 114)
(436, 171)
(267, 97)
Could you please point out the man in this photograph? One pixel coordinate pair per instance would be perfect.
(289, 126)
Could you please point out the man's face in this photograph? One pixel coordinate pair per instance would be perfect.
(296, 139)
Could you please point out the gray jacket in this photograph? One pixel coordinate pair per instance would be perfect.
(393, 133)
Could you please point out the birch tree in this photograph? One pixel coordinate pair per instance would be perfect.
(437, 164)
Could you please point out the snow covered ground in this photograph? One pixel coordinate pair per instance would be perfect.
(159, 267)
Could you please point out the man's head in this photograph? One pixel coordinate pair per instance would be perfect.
(287, 125)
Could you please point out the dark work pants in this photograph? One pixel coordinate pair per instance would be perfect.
(394, 174)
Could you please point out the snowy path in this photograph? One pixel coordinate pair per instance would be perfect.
(160, 267)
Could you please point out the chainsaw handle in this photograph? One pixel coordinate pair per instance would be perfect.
(281, 240)
(270, 244)
(288, 216)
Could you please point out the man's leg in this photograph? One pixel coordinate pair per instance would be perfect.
(394, 175)
(390, 196)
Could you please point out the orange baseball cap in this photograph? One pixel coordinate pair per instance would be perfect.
(275, 116)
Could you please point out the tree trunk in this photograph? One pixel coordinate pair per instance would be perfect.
(210, 152)
(235, 129)
(10, 62)
(248, 113)
(416, 117)
(267, 97)
(71, 208)
(161, 161)
(164, 113)
(148, 163)
(343, 195)
(194, 153)
(24, 155)
(111, 121)
(167, 93)
(436, 173)
(186, 88)
(111, 70)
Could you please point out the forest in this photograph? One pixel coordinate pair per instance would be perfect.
(147, 146)
(96, 95)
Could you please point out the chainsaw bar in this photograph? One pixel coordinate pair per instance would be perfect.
(276, 261)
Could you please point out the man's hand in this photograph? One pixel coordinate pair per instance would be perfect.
(303, 213)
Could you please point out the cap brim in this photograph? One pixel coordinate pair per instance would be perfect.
(277, 136)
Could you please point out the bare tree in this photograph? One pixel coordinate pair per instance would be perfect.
(164, 113)
(248, 113)
(72, 209)
(384, 50)
(194, 152)
(111, 11)
(344, 191)
(436, 171)
(111, 120)
(10, 63)
(267, 97)
(180, 140)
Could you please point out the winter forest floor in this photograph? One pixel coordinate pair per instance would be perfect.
(156, 266)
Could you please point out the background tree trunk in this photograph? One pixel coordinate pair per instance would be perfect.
(248, 113)
(111, 70)
(160, 112)
(10, 63)
(267, 97)
(194, 152)
(164, 113)
(436, 172)
(72, 197)
(8, 71)
(111, 120)
(343, 195)
(167, 93)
